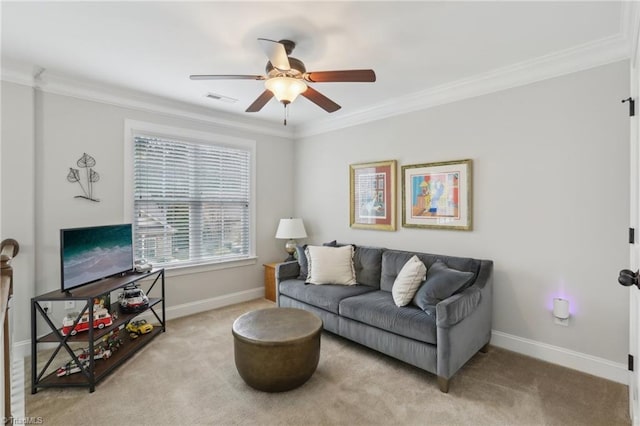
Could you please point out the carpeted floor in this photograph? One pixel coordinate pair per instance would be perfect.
(187, 376)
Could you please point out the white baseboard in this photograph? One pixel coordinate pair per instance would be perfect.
(595, 366)
(23, 348)
(213, 303)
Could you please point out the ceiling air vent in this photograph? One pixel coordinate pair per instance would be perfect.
(221, 98)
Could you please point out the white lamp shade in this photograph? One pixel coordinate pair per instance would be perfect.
(291, 228)
(285, 89)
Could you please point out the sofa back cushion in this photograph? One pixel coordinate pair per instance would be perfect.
(392, 263)
(394, 260)
(302, 261)
(367, 262)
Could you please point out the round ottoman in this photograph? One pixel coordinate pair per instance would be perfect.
(277, 349)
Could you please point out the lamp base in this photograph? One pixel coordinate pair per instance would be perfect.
(290, 247)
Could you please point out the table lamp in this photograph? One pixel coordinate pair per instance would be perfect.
(290, 229)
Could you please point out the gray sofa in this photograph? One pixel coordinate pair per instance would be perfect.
(439, 339)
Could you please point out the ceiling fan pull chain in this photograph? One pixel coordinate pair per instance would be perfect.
(286, 111)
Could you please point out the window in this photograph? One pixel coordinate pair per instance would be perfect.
(191, 200)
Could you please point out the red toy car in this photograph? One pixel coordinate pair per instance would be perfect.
(101, 318)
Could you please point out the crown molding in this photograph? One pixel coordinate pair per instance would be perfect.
(126, 98)
(631, 27)
(18, 74)
(589, 55)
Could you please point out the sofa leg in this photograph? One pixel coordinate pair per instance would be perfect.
(443, 384)
(485, 348)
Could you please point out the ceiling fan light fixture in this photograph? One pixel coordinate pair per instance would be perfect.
(285, 89)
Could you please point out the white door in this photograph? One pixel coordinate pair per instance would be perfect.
(634, 261)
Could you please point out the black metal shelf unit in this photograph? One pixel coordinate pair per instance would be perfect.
(91, 372)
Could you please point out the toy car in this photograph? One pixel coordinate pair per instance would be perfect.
(98, 353)
(132, 299)
(101, 319)
(112, 341)
(139, 327)
(70, 368)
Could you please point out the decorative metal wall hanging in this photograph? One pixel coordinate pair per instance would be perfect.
(86, 162)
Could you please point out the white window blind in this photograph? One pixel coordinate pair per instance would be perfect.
(191, 202)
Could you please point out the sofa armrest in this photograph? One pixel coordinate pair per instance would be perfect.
(463, 323)
(287, 270)
(454, 309)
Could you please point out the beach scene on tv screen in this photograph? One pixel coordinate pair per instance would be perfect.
(95, 253)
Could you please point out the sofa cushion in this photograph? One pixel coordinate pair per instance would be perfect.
(408, 280)
(441, 283)
(367, 261)
(302, 261)
(327, 297)
(302, 258)
(392, 263)
(394, 260)
(330, 265)
(377, 309)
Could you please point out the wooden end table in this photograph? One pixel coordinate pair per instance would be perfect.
(270, 281)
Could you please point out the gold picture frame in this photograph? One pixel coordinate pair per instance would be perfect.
(372, 195)
(438, 195)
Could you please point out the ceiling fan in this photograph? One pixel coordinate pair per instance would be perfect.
(286, 78)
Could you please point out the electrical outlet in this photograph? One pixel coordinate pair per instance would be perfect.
(561, 321)
(69, 304)
(46, 306)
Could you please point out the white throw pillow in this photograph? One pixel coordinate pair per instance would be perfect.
(330, 265)
(408, 280)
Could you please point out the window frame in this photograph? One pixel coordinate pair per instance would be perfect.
(133, 128)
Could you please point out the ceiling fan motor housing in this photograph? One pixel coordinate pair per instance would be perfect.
(288, 45)
(297, 68)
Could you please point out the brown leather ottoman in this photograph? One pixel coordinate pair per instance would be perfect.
(277, 349)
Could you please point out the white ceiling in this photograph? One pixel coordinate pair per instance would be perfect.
(152, 47)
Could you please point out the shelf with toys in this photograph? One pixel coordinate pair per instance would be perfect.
(79, 355)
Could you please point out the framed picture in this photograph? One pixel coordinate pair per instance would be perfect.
(373, 195)
(437, 195)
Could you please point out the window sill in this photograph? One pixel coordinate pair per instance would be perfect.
(174, 271)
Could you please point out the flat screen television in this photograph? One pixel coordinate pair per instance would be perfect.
(93, 253)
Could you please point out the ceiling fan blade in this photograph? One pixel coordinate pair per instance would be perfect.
(321, 100)
(227, 77)
(260, 102)
(276, 53)
(363, 76)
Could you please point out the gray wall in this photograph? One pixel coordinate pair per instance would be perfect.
(34, 168)
(550, 191)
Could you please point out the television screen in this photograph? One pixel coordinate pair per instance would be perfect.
(90, 254)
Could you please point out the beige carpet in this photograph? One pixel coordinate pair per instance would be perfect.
(187, 376)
